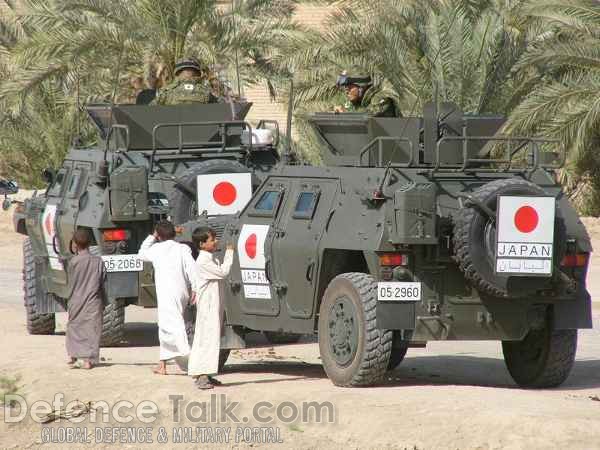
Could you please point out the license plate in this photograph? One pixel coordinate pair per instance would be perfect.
(122, 263)
(398, 291)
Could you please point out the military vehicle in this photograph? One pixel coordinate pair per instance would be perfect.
(143, 169)
(414, 229)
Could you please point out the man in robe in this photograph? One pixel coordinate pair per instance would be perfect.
(86, 276)
(204, 358)
(173, 276)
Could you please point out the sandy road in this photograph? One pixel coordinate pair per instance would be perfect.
(449, 395)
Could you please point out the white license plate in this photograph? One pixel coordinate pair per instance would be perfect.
(123, 263)
(398, 291)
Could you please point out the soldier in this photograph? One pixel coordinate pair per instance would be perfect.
(361, 97)
(189, 85)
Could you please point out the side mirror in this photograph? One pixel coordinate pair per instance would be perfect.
(8, 187)
(48, 175)
(6, 204)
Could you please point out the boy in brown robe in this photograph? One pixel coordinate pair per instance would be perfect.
(86, 275)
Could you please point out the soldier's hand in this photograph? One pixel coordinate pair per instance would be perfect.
(229, 246)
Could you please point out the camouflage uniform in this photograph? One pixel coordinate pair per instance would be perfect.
(378, 106)
(184, 91)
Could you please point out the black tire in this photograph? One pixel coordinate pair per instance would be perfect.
(182, 203)
(37, 323)
(353, 350)
(397, 356)
(543, 359)
(113, 324)
(277, 338)
(475, 241)
(223, 355)
(189, 317)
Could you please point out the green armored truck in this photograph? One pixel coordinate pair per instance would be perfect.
(414, 229)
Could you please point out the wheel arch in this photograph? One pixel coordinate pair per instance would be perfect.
(334, 262)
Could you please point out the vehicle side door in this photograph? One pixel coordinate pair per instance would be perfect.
(296, 246)
(56, 280)
(251, 290)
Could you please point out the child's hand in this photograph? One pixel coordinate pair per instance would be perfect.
(229, 246)
(193, 299)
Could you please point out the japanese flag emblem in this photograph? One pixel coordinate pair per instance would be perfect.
(251, 246)
(223, 193)
(526, 219)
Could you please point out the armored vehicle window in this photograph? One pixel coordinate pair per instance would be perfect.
(74, 183)
(267, 204)
(305, 205)
(56, 188)
(267, 201)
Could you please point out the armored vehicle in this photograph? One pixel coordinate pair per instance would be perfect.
(143, 169)
(414, 229)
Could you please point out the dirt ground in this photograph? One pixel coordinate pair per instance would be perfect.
(450, 395)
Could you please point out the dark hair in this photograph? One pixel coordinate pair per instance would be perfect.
(201, 235)
(165, 230)
(82, 238)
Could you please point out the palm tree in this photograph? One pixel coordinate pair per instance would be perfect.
(463, 49)
(564, 103)
(95, 40)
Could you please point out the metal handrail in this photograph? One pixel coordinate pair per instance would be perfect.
(509, 154)
(222, 144)
(379, 141)
(120, 127)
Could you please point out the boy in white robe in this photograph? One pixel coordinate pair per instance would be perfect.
(204, 358)
(174, 272)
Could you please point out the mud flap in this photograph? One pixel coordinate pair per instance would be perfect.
(574, 315)
(396, 315)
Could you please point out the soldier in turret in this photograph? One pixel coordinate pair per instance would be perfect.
(363, 98)
(189, 86)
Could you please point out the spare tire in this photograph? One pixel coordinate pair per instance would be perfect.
(475, 240)
(182, 198)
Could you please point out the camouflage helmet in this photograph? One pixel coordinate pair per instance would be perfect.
(345, 80)
(189, 63)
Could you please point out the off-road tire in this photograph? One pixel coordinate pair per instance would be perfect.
(183, 206)
(470, 250)
(223, 355)
(372, 354)
(553, 363)
(189, 316)
(396, 357)
(277, 338)
(37, 323)
(113, 324)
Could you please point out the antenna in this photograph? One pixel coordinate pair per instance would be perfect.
(288, 131)
(237, 58)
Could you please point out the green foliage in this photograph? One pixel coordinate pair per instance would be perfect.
(54, 51)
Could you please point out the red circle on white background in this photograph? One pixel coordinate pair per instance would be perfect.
(49, 225)
(250, 246)
(224, 193)
(526, 219)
